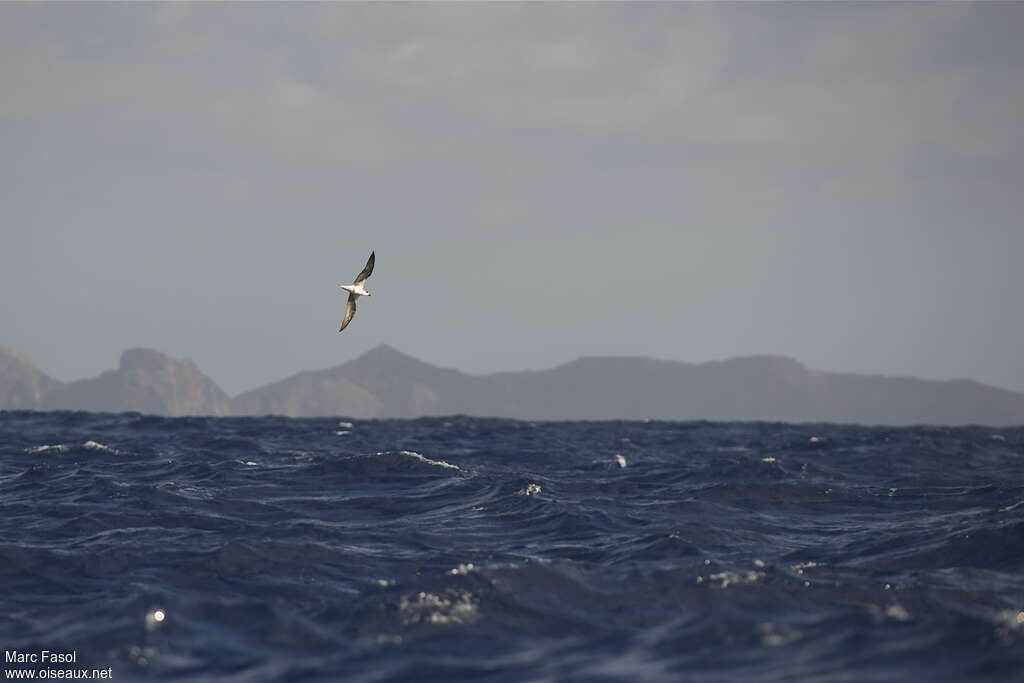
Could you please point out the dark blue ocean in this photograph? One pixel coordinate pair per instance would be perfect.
(459, 549)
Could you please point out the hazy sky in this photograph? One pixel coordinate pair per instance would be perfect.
(838, 183)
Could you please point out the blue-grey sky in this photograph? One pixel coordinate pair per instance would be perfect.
(839, 183)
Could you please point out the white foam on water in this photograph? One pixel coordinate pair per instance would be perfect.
(453, 607)
(777, 635)
(1008, 625)
(423, 458)
(897, 612)
(95, 446)
(530, 490)
(47, 448)
(64, 448)
(155, 618)
(739, 578)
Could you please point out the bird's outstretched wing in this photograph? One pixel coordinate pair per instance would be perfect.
(367, 270)
(350, 311)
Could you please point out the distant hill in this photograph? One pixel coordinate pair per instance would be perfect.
(146, 381)
(22, 384)
(751, 388)
(387, 383)
(380, 383)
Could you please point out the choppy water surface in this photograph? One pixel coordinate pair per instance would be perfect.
(495, 550)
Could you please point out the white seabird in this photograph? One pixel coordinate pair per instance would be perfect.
(356, 290)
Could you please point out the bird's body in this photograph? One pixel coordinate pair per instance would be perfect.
(356, 290)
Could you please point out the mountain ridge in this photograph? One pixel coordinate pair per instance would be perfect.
(387, 383)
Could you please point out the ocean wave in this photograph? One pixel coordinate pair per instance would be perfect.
(89, 445)
(448, 548)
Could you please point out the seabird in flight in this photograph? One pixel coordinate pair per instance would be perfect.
(355, 290)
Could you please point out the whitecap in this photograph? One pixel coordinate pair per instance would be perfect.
(64, 448)
(728, 578)
(48, 448)
(530, 490)
(424, 459)
(452, 607)
(95, 446)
